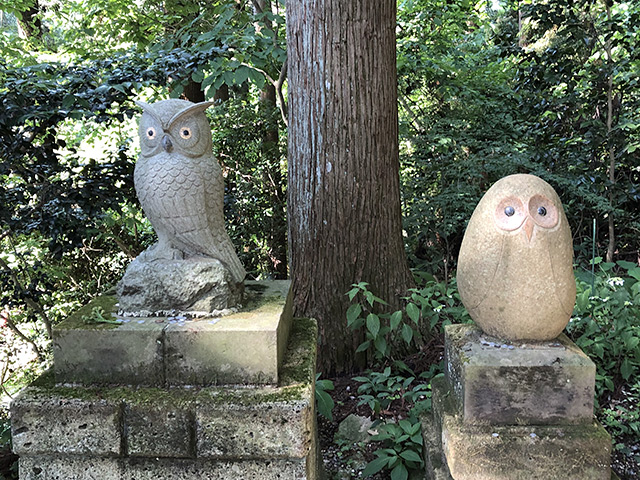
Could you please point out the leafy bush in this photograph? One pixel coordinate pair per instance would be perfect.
(606, 323)
(402, 452)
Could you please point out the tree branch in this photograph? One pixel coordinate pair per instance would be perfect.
(277, 84)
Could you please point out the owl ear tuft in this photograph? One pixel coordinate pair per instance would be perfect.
(144, 106)
(148, 109)
(196, 107)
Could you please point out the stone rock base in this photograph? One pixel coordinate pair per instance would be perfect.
(195, 284)
(468, 439)
(180, 433)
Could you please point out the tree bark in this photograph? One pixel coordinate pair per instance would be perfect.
(611, 247)
(344, 190)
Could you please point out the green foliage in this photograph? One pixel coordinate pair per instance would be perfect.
(482, 98)
(324, 402)
(403, 449)
(606, 324)
(97, 315)
(379, 390)
(426, 310)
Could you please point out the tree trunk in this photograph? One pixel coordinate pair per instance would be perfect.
(30, 26)
(611, 247)
(344, 193)
(273, 184)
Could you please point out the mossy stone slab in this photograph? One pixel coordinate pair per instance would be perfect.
(511, 452)
(511, 383)
(246, 347)
(216, 432)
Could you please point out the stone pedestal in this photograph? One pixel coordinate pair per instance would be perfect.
(245, 347)
(178, 420)
(514, 410)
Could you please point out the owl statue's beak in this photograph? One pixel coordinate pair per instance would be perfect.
(528, 228)
(167, 144)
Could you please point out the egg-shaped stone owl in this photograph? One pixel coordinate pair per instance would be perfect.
(180, 185)
(515, 268)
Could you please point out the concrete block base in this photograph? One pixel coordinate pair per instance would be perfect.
(518, 382)
(246, 347)
(489, 421)
(182, 433)
(56, 468)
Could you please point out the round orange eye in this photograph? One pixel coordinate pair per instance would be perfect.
(509, 213)
(543, 211)
(185, 132)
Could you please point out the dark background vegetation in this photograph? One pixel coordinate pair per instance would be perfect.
(485, 90)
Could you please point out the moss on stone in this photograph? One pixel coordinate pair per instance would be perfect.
(297, 376)
(75, 321)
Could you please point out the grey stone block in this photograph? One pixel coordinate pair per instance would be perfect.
(59, 424)
(246, 347)
(159, 428)
(515, 452)
(243, 348)
(518, 383)
(240, 428)
(79, 467)
(91, 468)
(130, 353)
(150, 469)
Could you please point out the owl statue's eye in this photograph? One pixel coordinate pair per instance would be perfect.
(151, 133)
(185, 132)
(543, 211)
(509, 213)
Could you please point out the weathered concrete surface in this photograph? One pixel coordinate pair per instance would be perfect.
(515, 268)
(81, 468)
(44, 423)
(251, 431)
(159, 427)
(129, 353)
(244, 347)
(518, 383)
(174, 433)
(510, 452)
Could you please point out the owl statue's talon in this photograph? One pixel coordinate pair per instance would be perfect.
(181, 189)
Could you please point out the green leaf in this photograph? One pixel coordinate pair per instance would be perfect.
(411, 456)
(381, 345)
(363, 346)
(353, 312)
(68, 100)
(197, 77)
(626, 369)
(400, 472)
(413, 311)
(396, 318)
(325, 404)
(373, 324)
(374, 466)
(407, 333)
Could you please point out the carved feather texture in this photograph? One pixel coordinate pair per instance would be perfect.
(182, 190)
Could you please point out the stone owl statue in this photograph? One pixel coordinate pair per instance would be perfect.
(515, 267)
(180, 185)
(193, 267)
